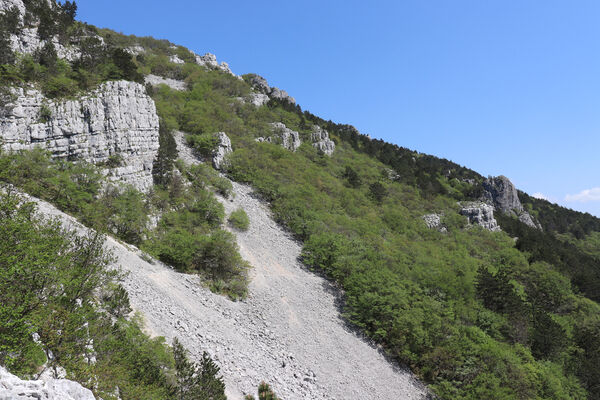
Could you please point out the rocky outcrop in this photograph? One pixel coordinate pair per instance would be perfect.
(279, 94)
(284, 136)
(223, 148)
(481, 214)
(210, 61)
(27, 41)
(434, 221)
(500, 192)
(259, 99)
(12, 388)
(261, 85)
(176, 60)
(320, 139)
(156, 80)
(118, 119)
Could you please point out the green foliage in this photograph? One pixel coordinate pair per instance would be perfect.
(204, 144)
(167, 153)
(456, 307)
(540, 245)
(239, 219)
(264, 393)
(196, 382)
(352, 177)
(377, 191)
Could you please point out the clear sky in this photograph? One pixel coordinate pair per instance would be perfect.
(502, 87)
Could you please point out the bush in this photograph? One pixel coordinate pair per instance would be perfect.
(204, 144)
(239, 219)
(60, 86)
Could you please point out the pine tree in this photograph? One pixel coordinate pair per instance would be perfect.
(210, 384)
(264, 393)
(196, 382)
(167, 153)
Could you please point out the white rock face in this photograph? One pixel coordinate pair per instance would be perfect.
(13, 388)
(28, 41)
(501, 192)
(156, 80)
(116, 119)
(210, 60)
(222, 150)
(434, 221)
(259, 99)
(261, 85)
(279, 94)
(287, 138)
(175, 59)
(481, 214)
(321, 141)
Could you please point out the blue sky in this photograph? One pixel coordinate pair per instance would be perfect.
(502, 87)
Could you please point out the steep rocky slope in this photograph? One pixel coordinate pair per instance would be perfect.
(288, 332)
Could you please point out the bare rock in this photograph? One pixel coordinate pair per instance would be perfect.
(259, 99)
(207, 60)
(481, 214)
(434, 221)
(279, 94)
(27, 41)
(320, 139)
(284, 136)
(176, 60)
(156, 80)
(116, 119)
(223, 148)
(261, 85)
(12, 387)
(501, 192)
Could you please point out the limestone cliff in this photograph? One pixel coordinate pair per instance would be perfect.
(27, 41)
(500, 192)
(118, 119)
(481, 214)
(11, 387)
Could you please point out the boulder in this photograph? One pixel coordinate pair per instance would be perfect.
(12, 387)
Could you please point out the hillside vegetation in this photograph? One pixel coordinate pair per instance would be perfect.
(475, 314)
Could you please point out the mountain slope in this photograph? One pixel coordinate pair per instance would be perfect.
(471, 311)
(288, 331)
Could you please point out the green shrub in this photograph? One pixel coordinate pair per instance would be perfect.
(239, 219)
(59, 86)
(204, 144)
